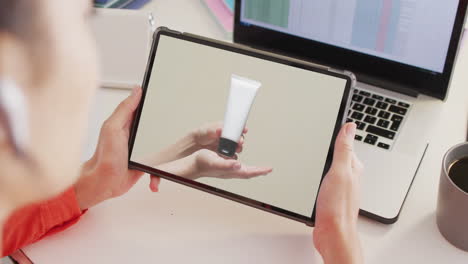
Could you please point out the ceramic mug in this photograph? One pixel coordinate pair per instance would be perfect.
(452, 204)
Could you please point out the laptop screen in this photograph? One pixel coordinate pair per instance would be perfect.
(411, 32)
(408, 46)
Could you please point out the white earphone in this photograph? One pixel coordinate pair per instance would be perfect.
(13, 105)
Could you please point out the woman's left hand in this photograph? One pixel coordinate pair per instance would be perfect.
(106, 174)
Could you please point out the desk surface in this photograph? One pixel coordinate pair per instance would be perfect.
(181, 225)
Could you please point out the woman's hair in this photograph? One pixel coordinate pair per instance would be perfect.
(20, 17)
(22, 20)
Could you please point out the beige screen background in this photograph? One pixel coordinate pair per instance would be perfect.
(290, 124)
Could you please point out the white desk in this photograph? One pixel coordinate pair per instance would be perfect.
(180, 225)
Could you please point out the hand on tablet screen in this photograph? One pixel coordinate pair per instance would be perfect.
(335, 233)
(210, 164)
(204, 137)
(194, 156)
(207, 136)
(207, 163)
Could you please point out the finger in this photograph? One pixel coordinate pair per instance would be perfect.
(214, 130)
(247, 172)
(154, 183)
(219, 131)
(245, 130)
(240, 145)
(343, 154)
(124, 111)
(207, 135)
(208, 131)
(212, 133)
(224, 164)
(239, 148)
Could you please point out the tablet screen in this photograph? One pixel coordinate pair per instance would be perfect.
(198, 100)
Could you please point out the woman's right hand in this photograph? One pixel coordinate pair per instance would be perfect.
(207, 163)
(335, 234)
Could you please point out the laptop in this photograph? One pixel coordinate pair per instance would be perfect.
(402, 53)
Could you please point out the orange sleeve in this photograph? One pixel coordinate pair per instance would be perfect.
(33, 222)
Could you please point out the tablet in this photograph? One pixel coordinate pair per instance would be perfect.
(243, 124)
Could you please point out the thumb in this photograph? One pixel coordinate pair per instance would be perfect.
(125, 109)
(343, 154)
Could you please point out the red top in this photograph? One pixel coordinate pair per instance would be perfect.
(33, 222)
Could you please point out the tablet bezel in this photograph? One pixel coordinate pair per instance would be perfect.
(249, 52)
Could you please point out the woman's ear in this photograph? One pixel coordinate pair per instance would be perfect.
(15, 71)
(14, 117)
(15, 60)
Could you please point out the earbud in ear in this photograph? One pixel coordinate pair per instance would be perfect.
(14, 111)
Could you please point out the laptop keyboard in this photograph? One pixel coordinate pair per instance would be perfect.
(378, 118)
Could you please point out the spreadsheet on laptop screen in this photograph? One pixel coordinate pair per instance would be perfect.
(412, 32)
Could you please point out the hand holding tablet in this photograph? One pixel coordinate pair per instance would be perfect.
(335, 233)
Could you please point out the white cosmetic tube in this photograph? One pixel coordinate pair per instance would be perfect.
(241, 97)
